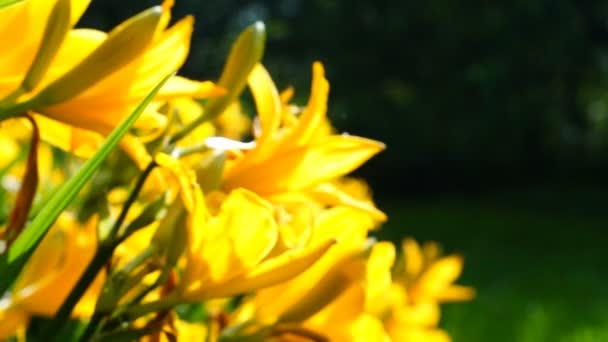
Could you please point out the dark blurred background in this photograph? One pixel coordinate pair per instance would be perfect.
(495, 114)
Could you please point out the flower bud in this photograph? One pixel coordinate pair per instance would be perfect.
(57, 27)
(246, 52)
(123, 44)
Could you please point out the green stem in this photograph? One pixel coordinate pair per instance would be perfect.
(131, 199)
(16, 109)
(189, 128)
(186, 151)
(139, 259)
(10, 98)
(102, 256)
(164, 303)
(91, 327)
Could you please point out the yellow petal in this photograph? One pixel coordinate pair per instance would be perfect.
(414, 260)
(102, 106)
(423, 314)
(43, 295)
(306, 166)
(439, 276)
(250, 222)
(123, 44)
(316, 109)
(186, 179)
(80, 142)
(456, 293)
(378, 277)
(178, 86)
(267, 101)
(332, 195)
(136, 150)
(270, 272)
(240, 237)
(13, 319)
(369, 329)
(340, 277)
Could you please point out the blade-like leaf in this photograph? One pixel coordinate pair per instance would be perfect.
(11, 262)
(6, 3)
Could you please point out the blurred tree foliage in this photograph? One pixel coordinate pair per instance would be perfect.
(516, 84)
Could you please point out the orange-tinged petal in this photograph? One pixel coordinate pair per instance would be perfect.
(12, 318)
(44, 295)
(332, 285)
(306, 166)
(335, 318)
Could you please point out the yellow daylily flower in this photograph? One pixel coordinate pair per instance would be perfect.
(422, 280)
(230, 253)
(101, 107)
(295, 156)
(315, 287)
(52, 271)
(430, 277)
(102, 103)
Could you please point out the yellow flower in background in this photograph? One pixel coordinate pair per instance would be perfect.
(429, 276)
(51, 273)
(352, 316)
(422, 280)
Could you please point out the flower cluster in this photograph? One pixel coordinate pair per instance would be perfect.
(204, 224)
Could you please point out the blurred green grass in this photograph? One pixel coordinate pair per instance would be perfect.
(536, 257)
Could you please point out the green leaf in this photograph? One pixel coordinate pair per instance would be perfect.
(6, 3)
(19, 252)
